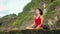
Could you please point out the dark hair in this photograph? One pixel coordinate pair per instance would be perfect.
(41, 12)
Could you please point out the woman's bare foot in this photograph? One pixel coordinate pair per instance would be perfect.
(29, 28)
(39, 28)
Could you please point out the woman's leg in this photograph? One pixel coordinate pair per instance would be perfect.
(29, 28)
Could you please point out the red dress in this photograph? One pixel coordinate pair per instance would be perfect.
(38, 22)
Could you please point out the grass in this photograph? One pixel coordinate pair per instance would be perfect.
(51, 8)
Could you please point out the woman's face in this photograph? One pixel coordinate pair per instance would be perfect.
(37, 11)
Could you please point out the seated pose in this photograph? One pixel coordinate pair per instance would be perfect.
(38, 19)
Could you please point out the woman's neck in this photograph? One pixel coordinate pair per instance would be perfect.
(38, 15)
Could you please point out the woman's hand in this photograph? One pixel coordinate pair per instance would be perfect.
(38, 27)
(32, 24)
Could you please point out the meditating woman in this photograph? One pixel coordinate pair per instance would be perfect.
(38, 19)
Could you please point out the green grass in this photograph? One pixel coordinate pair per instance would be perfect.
(21, 19)
(51, 8)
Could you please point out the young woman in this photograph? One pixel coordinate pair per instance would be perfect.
(38, 19)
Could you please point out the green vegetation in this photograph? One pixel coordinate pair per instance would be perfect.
(21, 19)
(51, 8)
(8, 19)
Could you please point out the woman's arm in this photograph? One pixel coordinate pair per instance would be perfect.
(32, 24)
(41, 20)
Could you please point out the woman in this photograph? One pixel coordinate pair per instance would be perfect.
(38, 19)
